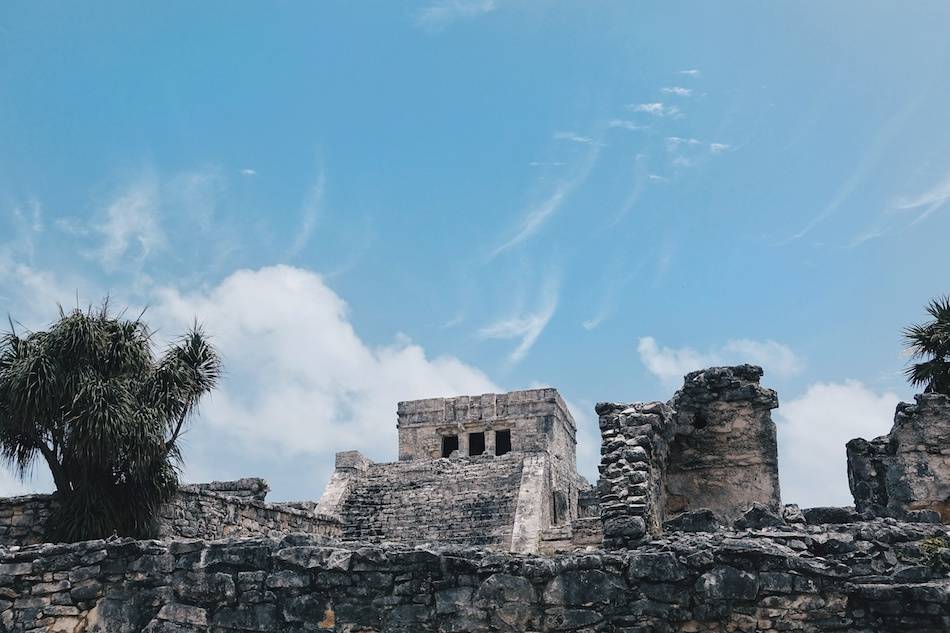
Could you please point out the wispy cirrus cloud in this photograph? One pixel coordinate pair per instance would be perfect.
(927, 202)
(678, 91)
(626, 124)
(674, 143)
(655, 108)
(28, 224)
(574, 138)
(869, 160)
(525, 326)
(130, 227)
(618, 275)
(690, 72)
(309, 214)
(439, 15)
(538, 214)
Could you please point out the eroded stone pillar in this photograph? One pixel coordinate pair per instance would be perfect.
(724, 454)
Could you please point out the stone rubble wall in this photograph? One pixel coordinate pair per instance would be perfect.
(469, 500)
(253, 488)
(877, 576)
(208, 515)
(23, 518)
(712, 447)
(907, 470)
(194, 512)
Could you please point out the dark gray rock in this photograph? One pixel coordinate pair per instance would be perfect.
(758, 517)
(825, 515)
(700, 520)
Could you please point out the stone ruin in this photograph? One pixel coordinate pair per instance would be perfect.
(710, 450)
(496, 470)
(499, 470)
(483, 525)
(905, 473)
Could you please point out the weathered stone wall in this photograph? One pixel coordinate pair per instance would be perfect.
(879, 576)
(194, 512)
(209, 515)
(470, 500)
(711, 447)
(724, 454)
(22, 519)
(537, 418)
(907, 470)
(253, 488)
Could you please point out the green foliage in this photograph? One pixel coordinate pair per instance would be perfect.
(930, 343)
(91, 398)
(936, 551)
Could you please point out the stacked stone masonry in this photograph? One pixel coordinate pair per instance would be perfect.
(907, 470)
(876, 576)
(195, 512)
(459, 500)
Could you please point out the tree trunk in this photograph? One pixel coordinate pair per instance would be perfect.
(63, 485)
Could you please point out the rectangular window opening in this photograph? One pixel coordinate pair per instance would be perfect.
(450, 443)
(476, 444)
(502, 442)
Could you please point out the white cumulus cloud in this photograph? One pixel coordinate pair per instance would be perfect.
(299, 378)
(812, 432)
(670, 364)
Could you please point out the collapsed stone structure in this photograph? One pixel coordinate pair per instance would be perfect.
(484, 525)
(906, 471)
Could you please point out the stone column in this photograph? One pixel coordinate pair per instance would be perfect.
(633, 451)
(724, 455)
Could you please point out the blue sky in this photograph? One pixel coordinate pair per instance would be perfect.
(381, 202)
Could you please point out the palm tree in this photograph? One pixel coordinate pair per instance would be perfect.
(91, 398)
(930, 341)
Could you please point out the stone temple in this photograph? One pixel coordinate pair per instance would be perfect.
(495, 470)
(483, 525)
(499, 470)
